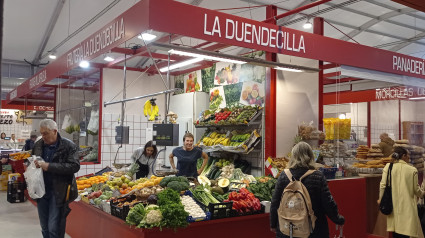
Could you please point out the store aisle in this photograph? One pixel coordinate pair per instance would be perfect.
(18, 220)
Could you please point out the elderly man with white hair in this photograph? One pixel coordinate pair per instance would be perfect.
(60, 163)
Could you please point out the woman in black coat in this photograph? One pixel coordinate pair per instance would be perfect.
(322, 201)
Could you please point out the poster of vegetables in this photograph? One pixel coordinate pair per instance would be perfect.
(232, 94)
(208, 78)
(193, 82)
(217, 99)
(252, 93)
(226, 73)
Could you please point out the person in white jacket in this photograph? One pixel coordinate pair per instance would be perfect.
(13, 143)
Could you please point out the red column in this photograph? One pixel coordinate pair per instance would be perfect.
(318, 28)
(270, 103)
(369, 130)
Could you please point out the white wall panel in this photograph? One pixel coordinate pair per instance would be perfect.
(297, 102)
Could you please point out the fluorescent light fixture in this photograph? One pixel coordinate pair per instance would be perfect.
(146, 36)
(205, 57)
(307, 25)
(108, 58)
(417, 98)
(84, 64)
(341, 116)
(288, 69)
(52, 55)
(181, 64)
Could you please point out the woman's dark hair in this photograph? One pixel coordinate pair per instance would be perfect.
(3, 135)
(399, 152)
(150, 144)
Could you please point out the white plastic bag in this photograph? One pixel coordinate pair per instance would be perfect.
(35, 181)
(67, 121)
(93, 125)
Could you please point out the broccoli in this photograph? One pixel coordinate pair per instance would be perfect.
(183, 179)
(165, 181)
(176, 186)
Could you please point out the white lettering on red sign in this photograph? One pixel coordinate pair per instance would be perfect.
(43, 108)
(38, 79)
(394, 93)
(259, 35)
(408, 65)
(99, 41)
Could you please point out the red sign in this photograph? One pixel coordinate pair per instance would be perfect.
(379, 94)
(233, 30)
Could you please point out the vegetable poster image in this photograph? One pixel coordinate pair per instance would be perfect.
(252, 93)
(217, 99)
(226, 73)
(208, 78)
(193, 82)
(233, 94)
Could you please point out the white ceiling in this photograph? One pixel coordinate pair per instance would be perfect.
(26, 36)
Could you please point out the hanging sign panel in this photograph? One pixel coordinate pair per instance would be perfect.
(379, 94)
(233, 30)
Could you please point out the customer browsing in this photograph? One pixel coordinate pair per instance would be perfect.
(59, 165)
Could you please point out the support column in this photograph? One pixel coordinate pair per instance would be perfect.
(318, 28)
(270, 103)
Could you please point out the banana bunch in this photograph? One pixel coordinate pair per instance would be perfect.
(150, 110)
(215, 139)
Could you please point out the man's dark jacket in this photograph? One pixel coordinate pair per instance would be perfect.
(64, 164)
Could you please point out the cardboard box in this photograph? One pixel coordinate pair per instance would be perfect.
(5, 176)
(14, 177)
(3, 185)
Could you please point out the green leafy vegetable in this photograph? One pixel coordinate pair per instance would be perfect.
(167, 196)
(174, 215)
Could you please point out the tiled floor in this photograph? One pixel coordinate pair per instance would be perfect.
(18, 220)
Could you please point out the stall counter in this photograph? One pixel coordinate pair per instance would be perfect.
(88, 221)
(350, 195)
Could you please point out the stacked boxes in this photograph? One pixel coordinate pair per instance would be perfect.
(3, 180)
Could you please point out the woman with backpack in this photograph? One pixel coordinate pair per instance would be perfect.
(403, 220)
(317, 195)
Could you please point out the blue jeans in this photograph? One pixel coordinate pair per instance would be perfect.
(52, 218)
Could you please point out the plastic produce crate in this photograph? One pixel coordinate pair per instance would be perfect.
(15, 192)
(261, 211)
(329, 172)
(191, 219)
(121, 212)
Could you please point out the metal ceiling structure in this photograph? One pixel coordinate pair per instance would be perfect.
(33, 29)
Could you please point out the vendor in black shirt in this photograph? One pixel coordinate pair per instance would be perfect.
(187, 156)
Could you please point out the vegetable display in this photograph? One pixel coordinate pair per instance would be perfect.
(178, 183)
(244, 201)
(264, 188)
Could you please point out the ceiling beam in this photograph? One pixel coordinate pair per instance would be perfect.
(48, 32)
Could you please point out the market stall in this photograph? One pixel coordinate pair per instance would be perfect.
(242, 115)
